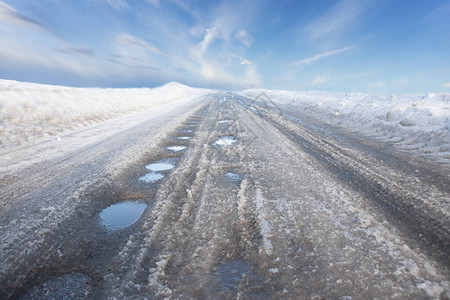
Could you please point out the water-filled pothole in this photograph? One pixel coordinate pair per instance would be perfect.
(151, 177)
(184, 137)
(162, 165)
(176, 148)
(121, 215)
(187, 130)
(233, 177)
(225, 141)
(158, 170)
(230, 274)
(69, 286)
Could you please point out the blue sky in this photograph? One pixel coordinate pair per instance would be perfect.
(372, 46)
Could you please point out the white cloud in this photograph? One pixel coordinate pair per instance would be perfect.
(126, 39)
(446, 85)
(244, 37)
(245, 62)
(314, 58)
(11, 16)
(337, 19)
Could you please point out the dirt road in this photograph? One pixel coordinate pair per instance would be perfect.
(243, 199)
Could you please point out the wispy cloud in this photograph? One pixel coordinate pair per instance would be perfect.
(244, 37)
(77, 51)
(129, 40)
(337, 19)
(440, 13)
(245, 62)
(118, 4)
(140, 66)
(11, 16)
(314, 58)
(155, 3)
(188, 9)
(446, 85)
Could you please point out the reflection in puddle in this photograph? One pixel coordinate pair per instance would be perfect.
(151, 177)
(184, 137)
(122, 214)
(226, 121)
(230, 274)
(176, 148)
(225, 141)
(233, 176)
(187, 130)
(160, 166)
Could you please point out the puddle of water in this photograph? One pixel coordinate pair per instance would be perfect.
(187, 130)
(151, 177)
(230, 274)
(233, 176)
(184, 137)
(160, 166)
(176, 148)
(226, 121)
(225, 141)
(122, 214)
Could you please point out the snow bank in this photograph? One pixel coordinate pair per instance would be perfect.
(418, 123)
(29, 111)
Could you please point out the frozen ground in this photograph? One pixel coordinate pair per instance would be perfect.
(413, 123)
(251, 200)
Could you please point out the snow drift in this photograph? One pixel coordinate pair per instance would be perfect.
(30, 111)
(418, 123)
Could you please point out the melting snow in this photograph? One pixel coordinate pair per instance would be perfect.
(225, 141)
(413, 122)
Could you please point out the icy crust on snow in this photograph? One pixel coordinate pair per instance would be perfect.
(412, 122)
(29, 111)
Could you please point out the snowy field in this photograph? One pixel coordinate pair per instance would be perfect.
(418, 123)
(32, 112)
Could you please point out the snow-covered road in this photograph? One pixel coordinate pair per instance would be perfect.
(244, 200)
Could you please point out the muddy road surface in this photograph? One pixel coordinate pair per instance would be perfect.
(227, 198)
